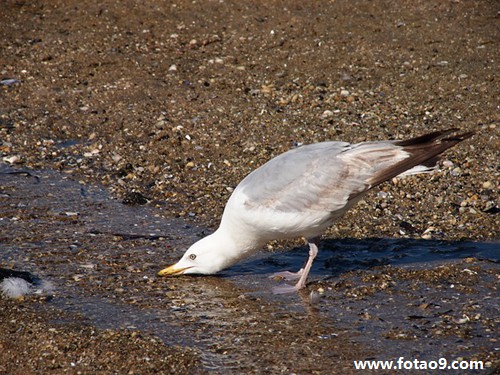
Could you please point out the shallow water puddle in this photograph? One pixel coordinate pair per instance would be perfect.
(377, 298)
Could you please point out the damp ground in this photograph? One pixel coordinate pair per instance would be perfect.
(367, 299)
(167, 106)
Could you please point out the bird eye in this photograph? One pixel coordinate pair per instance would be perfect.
(192, 256)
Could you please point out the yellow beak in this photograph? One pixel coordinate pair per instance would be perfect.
(172, 270)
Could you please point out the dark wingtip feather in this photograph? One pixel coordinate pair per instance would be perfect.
(460, 137)
(422, 149)
(434, 136)
(426, 138)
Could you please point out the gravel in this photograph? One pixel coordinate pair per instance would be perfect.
(172, 104)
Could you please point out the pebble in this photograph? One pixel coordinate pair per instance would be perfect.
(12, 159)
(267, 89)
(344, 93)
(327, 114)
(487, 184)
(314, 297)
(382, 194)
(88, 266)
(448, 164)
(9, 81)
(463, 320)
(116, 158)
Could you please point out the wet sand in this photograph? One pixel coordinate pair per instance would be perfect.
(135, 121)
(369, 298)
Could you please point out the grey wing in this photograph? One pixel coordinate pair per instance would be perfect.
(310, 178)
(331, 176)
(324, 177)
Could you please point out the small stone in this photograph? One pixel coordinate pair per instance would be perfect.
(327, 114)
(487, 184)
(448, 164)
(160, 124)
(463, 320)
(12, 159)
(456, 172)
(314, 297)
(88, 266)
(344, 93)
(382, 194)
(9, 81)
(267, 89)
(423, 306)
(172, 68)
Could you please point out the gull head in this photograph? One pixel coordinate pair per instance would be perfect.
(204, 257)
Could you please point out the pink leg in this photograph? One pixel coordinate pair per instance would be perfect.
(313, 251)
(304, 272)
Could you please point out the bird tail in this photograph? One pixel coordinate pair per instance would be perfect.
(424, 153)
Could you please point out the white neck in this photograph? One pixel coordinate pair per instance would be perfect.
(227, 248)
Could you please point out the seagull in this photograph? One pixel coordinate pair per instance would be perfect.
(301, 192)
